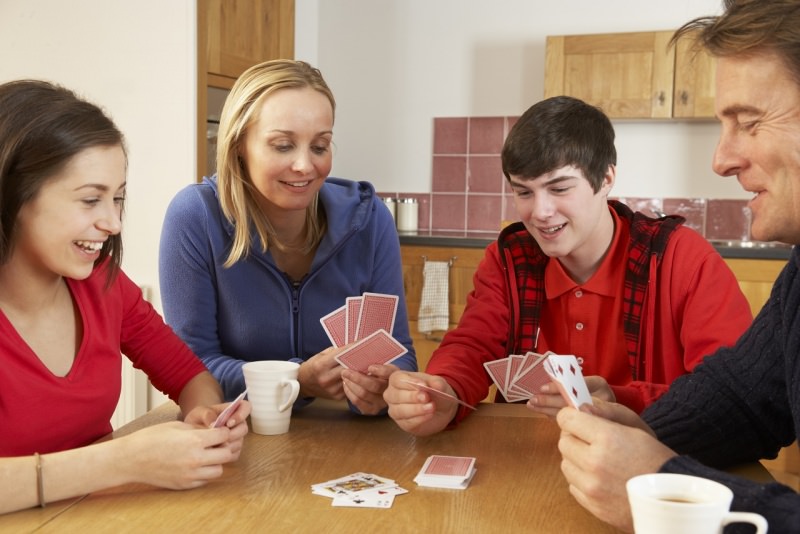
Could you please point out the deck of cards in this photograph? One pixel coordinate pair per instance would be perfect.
(450, 472)
(364, 323)
(360, 490)
(520, 377)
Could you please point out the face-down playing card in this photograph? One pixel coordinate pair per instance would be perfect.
(335, 326)
(353, 305)
(441, 394)
(498, 372)
(448, 466)
(377, 312)
(566, 372)
(377, 348)
(226, 414)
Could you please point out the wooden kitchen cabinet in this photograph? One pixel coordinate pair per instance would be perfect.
(632, 75)
(465, 263)
(245, 32)
(231, 37)
(755, 278)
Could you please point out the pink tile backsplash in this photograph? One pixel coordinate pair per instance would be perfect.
(448, 211)
(727, 219)
(449, 174)
(450, 135)
(470, 194)
(486, 135)
(483, 211)
(648, 206)
(485, 175)
(693, 209)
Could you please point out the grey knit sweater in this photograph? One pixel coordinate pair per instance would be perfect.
(740, 405)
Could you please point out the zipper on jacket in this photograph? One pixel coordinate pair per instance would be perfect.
(296, 313)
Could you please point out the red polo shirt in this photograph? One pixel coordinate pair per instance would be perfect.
(586, 319)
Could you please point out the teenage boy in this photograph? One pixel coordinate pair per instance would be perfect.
(640, 300)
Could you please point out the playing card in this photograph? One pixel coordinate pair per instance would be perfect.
(352, 484)
(440, 471)
(452, 466)
(364, 500)
(353, 305)
(515, 363)
(335, 326)
(225, 414)
(377, 313)
(440, 394)
(532, 378)
(566, 372)
(531, 359)
(498, 372)
(377, 348)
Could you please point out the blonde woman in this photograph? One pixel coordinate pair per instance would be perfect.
(254, 256)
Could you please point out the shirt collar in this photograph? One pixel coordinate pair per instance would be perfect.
(603, 282)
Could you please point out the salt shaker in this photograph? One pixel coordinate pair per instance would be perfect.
(390, 203)
(407, 215)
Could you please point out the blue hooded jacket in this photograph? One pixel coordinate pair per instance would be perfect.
(251, 311)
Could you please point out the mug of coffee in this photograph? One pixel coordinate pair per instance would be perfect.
(272, 388)
(664, 503)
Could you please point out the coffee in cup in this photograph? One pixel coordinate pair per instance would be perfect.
(665, 503)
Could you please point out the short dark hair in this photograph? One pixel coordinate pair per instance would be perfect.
(557, 132)
(42, 127)
(749, 27)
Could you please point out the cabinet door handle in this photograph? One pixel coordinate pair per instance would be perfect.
(661, 97)
(684, 96)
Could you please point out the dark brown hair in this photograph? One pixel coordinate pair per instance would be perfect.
(557, 132)
(42, 127)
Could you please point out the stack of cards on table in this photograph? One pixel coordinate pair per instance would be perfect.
(366, 324)
(520, 377)
(453, 472)
(360, 490)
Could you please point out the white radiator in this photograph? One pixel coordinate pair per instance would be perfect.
(135, 386)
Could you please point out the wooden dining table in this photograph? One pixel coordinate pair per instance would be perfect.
(518, 486)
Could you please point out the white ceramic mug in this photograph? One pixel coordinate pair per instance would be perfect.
(272, 388)
(663, 503)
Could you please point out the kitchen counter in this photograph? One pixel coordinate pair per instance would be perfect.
(728, 249)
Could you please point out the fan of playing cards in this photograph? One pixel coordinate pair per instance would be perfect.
(453, 472)
(520, 377)
(366, 324)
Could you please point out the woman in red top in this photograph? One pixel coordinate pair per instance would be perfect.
(67, 311)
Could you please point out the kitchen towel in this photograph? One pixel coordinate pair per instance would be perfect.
(434, 307)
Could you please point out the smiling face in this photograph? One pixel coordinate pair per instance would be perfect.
(566, 217)
(758, 103)
(61, 231)
(287, 150)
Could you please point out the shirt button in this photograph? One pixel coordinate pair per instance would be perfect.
(579, 293)
(579, 326)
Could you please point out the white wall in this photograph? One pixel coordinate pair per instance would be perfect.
(136, 60)
(395, 64)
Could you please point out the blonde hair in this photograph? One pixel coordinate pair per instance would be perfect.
(238, 196)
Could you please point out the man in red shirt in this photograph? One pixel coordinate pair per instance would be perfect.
(640, 300)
